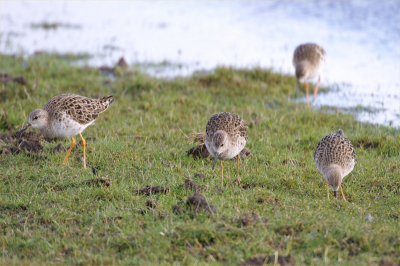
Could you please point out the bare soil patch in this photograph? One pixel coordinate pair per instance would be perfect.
(101, 181)
(28, 143)
(195, 204)
(149, 190)
(191, 185)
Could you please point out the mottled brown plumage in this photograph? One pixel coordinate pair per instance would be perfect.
(335, 158)
(79, 108)
(308, 58)
(67, 115)
(226, 136)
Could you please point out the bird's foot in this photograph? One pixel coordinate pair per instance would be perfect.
(236, 182)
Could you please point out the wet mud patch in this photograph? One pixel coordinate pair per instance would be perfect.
(150, 190)
(191, 185)
(30, 135)
(198, 203)
(260, 260)
(198, 152)
(28, 143)
(195, 204)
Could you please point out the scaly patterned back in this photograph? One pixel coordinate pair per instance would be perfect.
(81, 109)
(335, 149)
(308, 52)
(231, 123)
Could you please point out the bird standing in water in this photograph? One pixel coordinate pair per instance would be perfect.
(308, 59)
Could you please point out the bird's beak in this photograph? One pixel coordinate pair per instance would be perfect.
(23, 129)
(215, 160)
(335, 192)
(297, 87)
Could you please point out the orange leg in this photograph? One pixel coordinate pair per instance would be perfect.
(308, 101)
(316, 88)
(327, 189)
(237, 178)
(222, 175)
(84, 150)
(343, 197)
(70, 149)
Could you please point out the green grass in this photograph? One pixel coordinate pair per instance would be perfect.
(49, 215)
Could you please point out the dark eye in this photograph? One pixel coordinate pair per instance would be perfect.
(35, 118)
(222, 145)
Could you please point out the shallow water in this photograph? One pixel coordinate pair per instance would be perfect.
(362, 40)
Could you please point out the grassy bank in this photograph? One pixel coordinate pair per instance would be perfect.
(50, 213)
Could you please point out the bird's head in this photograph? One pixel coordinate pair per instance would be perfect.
(220, 143)
(301, 72)
(334, 176)
(37, 119)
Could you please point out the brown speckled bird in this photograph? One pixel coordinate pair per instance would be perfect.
(335, 158)
(67, 115)
(308, 58)
(226, 136)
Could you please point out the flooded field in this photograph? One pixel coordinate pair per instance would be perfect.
(177, 38)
